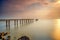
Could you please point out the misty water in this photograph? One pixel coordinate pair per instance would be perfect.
(37, 30)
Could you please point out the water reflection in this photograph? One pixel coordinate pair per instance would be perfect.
(56, 32)
(35, 30)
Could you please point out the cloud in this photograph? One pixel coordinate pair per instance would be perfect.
(21, 7)
(16, 5)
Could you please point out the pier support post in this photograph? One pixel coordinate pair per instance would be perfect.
(16, 23)
(8, 24)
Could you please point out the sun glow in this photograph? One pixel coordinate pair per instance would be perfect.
(56, 34)
(58, 1)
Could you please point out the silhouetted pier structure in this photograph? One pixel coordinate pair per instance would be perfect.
(18, 21)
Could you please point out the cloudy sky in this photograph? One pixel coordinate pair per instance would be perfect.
(25, 8)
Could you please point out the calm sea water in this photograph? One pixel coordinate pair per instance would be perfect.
(37, 30)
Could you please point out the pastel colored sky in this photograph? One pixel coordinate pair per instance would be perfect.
(24, 8)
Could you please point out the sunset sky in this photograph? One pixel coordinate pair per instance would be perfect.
(25, 8)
